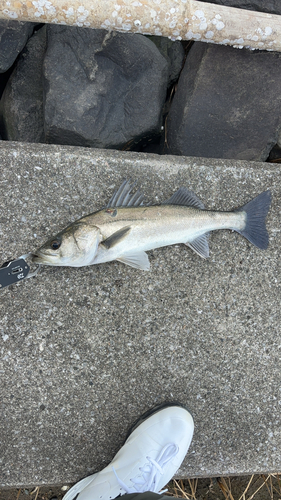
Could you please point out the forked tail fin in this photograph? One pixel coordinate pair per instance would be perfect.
(256, 210)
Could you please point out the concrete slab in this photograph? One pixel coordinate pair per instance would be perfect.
(86, 351)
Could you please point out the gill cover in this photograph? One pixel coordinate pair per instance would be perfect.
(86, 238)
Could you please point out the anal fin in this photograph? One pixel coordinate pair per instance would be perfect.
(139, 260)
(200, 245)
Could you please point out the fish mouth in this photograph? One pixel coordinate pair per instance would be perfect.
(42, 258)
(36, 258)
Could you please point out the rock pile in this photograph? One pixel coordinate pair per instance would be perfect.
(88, 87)
(103, 89)
(227, 104)
(13, 37)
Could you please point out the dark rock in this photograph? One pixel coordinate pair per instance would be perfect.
(22, 100)
(173, 53)
(4, 77)
(13, 37)
(271, 6)
(275, 154)
(227, 104)
(102, 89)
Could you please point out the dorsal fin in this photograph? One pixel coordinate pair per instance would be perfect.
(184, 197)
(123, 197)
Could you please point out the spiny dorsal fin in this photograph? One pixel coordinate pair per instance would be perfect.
(184, 197)
(123, 197)
(200, 246)
(116, 237)
(139, 260)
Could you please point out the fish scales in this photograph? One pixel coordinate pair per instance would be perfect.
(163, 225)
(126, 229)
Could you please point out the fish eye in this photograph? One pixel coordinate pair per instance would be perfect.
(55, 244)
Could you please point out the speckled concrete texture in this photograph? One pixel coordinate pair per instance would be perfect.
(85, 351)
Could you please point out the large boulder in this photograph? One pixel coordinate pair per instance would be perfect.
(173, 53)
(227, 104)
(22, 100)
(102, 89)
(13, 37)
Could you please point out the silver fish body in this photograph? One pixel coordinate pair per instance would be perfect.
(125, 233)
(158, 226)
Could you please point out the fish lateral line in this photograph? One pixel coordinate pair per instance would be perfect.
(126, 228)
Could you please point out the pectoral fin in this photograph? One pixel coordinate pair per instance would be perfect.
(116, 237)
(200, 246)
(139, 260)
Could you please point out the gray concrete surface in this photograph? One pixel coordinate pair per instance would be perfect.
(85, 351)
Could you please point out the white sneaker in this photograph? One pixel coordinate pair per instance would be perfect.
(151, 455)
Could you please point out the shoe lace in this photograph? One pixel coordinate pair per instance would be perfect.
(151, 472)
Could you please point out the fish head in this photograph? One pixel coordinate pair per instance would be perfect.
(75, 246)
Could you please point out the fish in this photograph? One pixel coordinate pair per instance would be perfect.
(126, 228)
